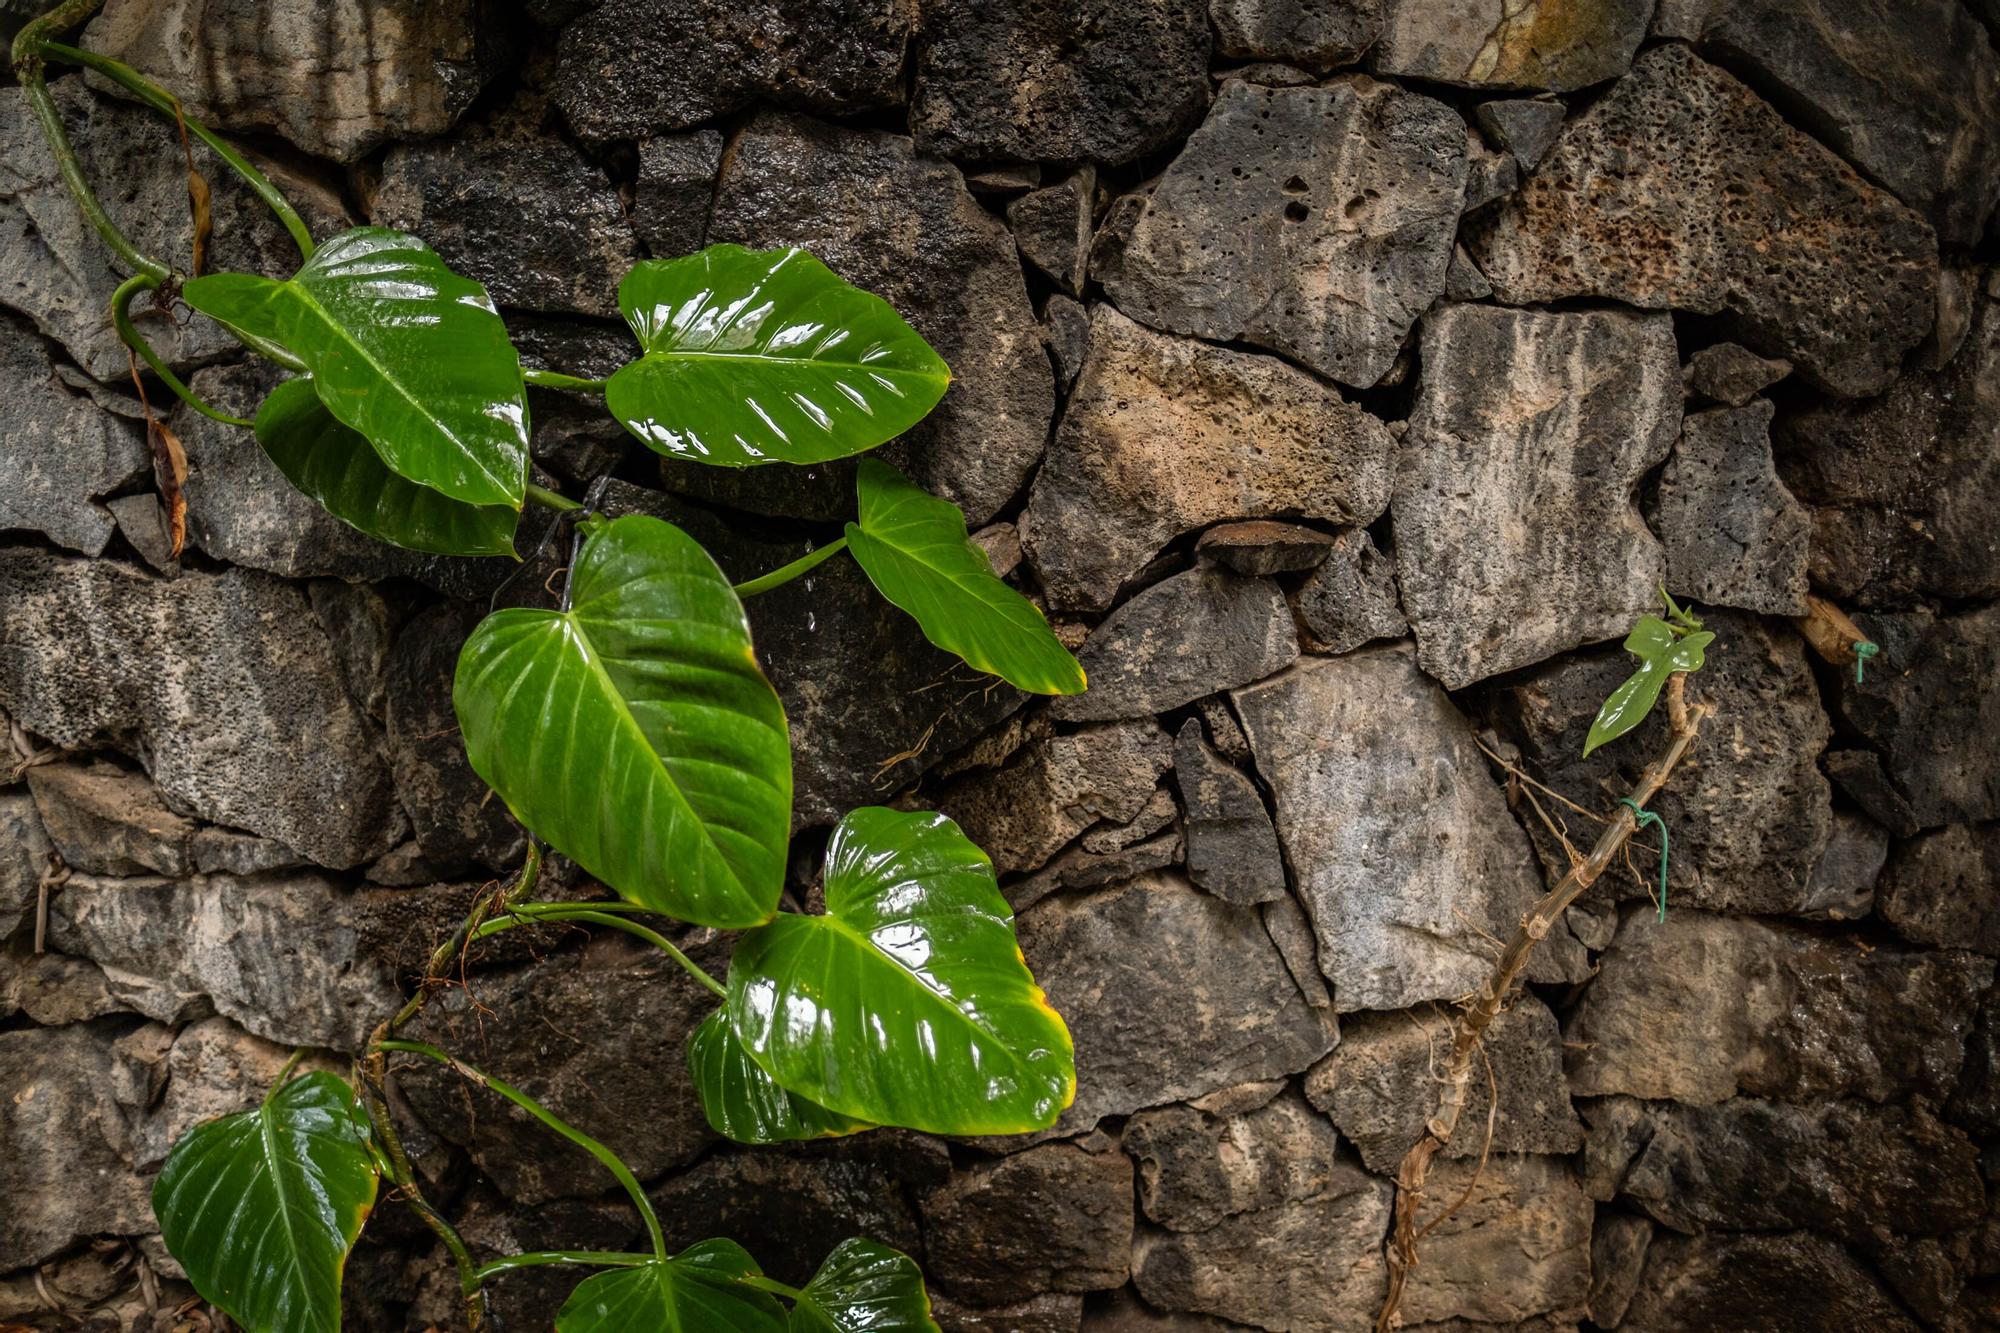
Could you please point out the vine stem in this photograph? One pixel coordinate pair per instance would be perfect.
(549, 499)
(1535, 925)
(539, 1258)
(528, 914)
(128, 333)
(555, 379)
(784, 574)
(607, 1158)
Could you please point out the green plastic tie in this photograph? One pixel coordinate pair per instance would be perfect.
(1646, 817)
(1862, 652)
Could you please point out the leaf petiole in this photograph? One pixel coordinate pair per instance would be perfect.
(784, 574)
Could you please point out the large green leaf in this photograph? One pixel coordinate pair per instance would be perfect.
(696, 1291)
(742, 1102)
(907, 1002)
(914, 549)
(766, 356)
(336, 467)
(401, 349)
(635, 732)
(1661, 653)
(865, 1287)
(261, 1208)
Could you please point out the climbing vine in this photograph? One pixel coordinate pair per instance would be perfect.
(630, 728)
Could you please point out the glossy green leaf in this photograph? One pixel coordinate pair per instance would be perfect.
(907, 1002)
(635, 732)
(1661, 653)
(742, 1102)
(336, 467)
(261, 1208)
(696, 1291)
(914, 549)
(865, 1287)
(766, 356)
(401, 349)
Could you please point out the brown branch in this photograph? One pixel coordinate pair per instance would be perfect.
(1492, 994)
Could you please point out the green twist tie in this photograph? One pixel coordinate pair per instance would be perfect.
(1862, 652)
(1646, 817)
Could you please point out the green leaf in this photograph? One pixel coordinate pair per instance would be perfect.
(261, 1208)
(338, 468)
(742, 1102)
(766, 356)
(696, 1291)
(865, 1287)
(635, 732)
(1661, 653)
(914, 549)
(908, 1002)
(401, 349)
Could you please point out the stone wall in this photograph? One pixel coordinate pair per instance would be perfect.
(1343, 376)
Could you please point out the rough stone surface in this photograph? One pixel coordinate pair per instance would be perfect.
(1192, 635)
(1618, 1244)
(1316, 222)
(1232, 851)
(1030, 80)
(56, 492)
(1909, 94)
(1056, 788)
(1734, 535)
(631, 68)
(1351, 599)
(1751, 818)
(1490, 44)
(676, 184)
(108, 820)
(336, 79)
(1732, 375)
(223, 683)
(1851, 1170)
(942, 260)
(1905, 488)
(1165, 435)
(1517, 535)
(1225, 1012)
(1050, 1312)
(1842, 887)
(636, 1097)
(1525, 127)
(1943, 888)
(517, 209)
(1680, 189)
(1057, 1217)
(1793, 1282)
(212, 1068)
(1406, 857)
(24, 852)
(1307, 1266)
(1520, 1245)
(1196, 1168)
(1053, 228)
(1260, 547)
(1316, 34)
(1374, 1085)
(1769, 1010)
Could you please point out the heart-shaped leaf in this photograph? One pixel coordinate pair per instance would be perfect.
(338, 468)
(262, 1207)
(1661, 653)
(908, 1002)
(865, 1287)
(401, 349)
(635, 732)
(697, 1290)
(913, 547)
(766, 356)
(742, 1102)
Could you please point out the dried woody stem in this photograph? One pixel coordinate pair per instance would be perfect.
(1492, 996)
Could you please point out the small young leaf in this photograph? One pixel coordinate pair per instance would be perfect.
(907, 1002)
(261, 1208)
(744, 1103)
(766, 356)
(697, 1289)
(401, 349)
(865, 1287)
(336, 467)
(1660, 655)
(635, 731)
(913, 547)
